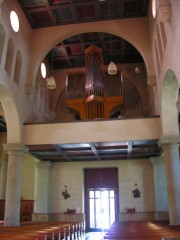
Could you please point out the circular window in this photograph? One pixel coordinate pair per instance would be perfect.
(43, 70)
(154, 8)
(14, 21)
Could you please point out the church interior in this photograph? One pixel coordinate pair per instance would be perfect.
(89, 119)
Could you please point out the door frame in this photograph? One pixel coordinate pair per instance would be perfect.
(87, 208)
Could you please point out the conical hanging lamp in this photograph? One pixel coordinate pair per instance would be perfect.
(112, 69)
(51, 82)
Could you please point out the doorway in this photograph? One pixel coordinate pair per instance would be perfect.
(101, 208)
(101, 198)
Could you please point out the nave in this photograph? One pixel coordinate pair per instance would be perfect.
(123, 230)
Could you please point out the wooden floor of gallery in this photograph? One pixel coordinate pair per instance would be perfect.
(133, 230)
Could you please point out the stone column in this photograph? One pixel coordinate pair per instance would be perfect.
(172, 167)
(160, 184)
(13, 184)
(42, 188)
(3, 174)
(3, 165)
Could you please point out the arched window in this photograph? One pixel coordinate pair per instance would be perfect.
(163, 34)
(3, 127)
(18, 67)
(43, 70)
(9, 56)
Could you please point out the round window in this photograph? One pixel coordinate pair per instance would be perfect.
(43, 70)
(14, 21)
(154, 8)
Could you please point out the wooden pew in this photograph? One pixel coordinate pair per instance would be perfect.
(41, 231)
(141, 230)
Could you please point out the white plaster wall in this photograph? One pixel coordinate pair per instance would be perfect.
(170, 59)
(93, 131)
(71, 175)
(24, 103)
(130, 172)
(21, 42)
(128, 29)
(160, 184)
(138, 172)
(42, 189)
(28, 177)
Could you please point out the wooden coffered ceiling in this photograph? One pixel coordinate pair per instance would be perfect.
(70, 52)
(98, 151)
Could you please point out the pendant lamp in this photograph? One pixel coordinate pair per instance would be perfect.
(51, 82)
(112, 69)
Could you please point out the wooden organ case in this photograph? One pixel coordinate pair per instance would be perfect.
(94, 94)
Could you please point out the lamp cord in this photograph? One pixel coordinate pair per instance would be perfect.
(53, 50)
(110, 33)
(52, 62)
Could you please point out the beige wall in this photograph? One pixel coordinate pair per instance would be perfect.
(129, 173)
(160, 184)
(28, 177)
(167, 58)
(93, 131)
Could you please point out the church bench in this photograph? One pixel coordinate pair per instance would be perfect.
(41, 231)
(142, 230)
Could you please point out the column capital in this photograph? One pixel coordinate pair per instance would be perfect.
(16, 147)
(171, 140)
(164, 12)
(156, 160)
(43, 164)
(151, 81)
(29, 89)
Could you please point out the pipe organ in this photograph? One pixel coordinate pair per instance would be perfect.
(94, 94)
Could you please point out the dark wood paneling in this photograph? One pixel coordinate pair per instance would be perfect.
(101, 178)
(26, 210)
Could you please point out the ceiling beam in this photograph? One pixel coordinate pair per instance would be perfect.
(95, 151)
(59, 150)
(129, 149)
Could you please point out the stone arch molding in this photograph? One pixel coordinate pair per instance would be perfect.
(11, 116)
(123, 29)
(169, 116)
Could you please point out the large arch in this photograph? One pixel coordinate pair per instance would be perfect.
(121, 28)
(14, 128)
(169, 116)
